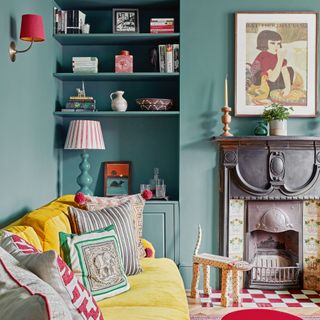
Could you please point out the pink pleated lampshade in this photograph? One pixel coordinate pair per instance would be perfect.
(32, 28)
(83, 135)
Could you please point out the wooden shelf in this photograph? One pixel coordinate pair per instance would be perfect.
(117, 114)
(112, 38)
(111, 76)
(104, 4)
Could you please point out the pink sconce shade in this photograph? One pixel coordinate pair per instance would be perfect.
(84, 135)
(32, 28)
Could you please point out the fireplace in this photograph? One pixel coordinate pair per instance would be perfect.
(270, 209)
(273, 244)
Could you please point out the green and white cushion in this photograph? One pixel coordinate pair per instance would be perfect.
(95, 259)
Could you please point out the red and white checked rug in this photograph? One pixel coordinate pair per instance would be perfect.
(251, 298)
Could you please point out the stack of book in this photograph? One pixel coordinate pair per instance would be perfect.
(68, 21)
(169, 58)
(80, 104)
(161, 25)
(85, 64)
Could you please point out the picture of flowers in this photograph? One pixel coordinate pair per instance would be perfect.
(117, 178)
(276, 62)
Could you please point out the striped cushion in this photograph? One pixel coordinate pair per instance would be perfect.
(85, 221)
(137, 202)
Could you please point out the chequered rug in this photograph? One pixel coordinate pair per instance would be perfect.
(267, 299)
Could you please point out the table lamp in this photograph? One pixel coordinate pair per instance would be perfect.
(31, 30)
(84, 135)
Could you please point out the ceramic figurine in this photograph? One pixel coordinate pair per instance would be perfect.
(154, 59)
(261, 129)
(118, 102)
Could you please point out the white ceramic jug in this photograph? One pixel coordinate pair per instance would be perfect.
(118, 103)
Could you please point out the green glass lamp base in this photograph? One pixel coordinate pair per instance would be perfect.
(84, 180)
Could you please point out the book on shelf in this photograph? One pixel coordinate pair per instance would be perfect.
(68, 21)
(168, 58)
(85, 64)
(161, 25)
(77, 110)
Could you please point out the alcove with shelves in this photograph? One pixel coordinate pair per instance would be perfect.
(147, 139)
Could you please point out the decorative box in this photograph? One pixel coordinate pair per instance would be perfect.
(124, 62)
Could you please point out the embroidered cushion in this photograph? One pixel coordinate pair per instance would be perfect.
(95, 258)
(24, 296)
(83, 221)
(52, 269)
(137, 202)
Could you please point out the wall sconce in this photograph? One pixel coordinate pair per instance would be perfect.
(31, 30)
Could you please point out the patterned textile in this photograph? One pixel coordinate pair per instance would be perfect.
(86, 221)
(53, 270)
(24, 296)
(251, 298)
(137, 202)
(95, 259)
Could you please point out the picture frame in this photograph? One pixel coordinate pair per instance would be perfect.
(117, 178)
(125, 20)
(262, 41)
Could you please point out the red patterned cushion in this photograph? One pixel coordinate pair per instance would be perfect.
(53, 270)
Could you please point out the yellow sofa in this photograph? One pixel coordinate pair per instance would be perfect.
(156, 293)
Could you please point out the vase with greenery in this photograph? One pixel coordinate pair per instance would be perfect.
(277, 115)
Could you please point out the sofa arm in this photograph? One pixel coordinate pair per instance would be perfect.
(148, 247)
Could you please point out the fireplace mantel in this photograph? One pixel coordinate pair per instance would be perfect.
(267, 168)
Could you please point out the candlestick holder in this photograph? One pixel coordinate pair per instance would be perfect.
(226, 120)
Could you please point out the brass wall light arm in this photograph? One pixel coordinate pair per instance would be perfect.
(13, 50)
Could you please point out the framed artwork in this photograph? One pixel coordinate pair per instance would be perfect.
(276, 62)
(125, 20)
(117, 178)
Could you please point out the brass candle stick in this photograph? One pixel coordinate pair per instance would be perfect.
(226, 118)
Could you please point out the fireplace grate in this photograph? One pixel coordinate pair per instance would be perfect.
(274, 270)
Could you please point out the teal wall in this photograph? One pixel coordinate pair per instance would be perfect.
(28, 159)
(207, 54)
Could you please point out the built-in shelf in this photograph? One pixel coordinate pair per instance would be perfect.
(116, 114)
(101, 4)
(111, 76)
(115, 38)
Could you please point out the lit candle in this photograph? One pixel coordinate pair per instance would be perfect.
(226, 91)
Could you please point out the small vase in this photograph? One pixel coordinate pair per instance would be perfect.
(261, 129)
(278, 127)
(118, 103)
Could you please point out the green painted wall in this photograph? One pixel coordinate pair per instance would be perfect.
(207, 49)
(28, 159)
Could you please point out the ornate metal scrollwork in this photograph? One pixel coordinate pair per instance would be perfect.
(276, 167)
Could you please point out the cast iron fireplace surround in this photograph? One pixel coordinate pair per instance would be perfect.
(273, 175)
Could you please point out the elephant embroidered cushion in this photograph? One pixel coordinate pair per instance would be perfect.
(95, 259)
(137, 203)
(83, 221)
(53, 270)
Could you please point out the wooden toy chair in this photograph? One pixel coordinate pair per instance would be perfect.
(231, 269)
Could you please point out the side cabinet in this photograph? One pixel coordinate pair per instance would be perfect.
(161, 227)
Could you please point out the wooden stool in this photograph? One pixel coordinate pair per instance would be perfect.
(230, 270)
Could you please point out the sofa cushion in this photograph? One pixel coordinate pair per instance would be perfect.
(96, 203)
(96, 260)
(85, 221)
(24, 296)
(53, 270)
(27, 233)
(156, 293)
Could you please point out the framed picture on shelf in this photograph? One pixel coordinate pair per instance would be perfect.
(117, 178)
(125, 20)
(276, 62)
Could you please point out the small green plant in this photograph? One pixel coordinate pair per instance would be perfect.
(276, 111)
